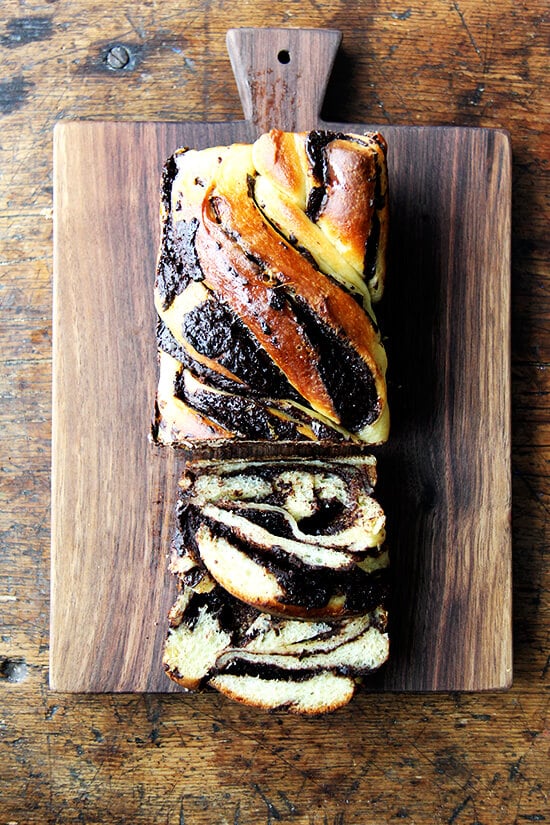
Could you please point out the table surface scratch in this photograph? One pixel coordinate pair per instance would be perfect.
(460, 759)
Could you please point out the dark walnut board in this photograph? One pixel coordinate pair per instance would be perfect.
(444, 476)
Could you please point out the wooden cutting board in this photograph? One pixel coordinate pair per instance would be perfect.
(445, 473)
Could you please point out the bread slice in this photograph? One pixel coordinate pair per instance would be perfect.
(321, 693)
(271, 257)
(262, 660)
(283, 576)
(300, 538)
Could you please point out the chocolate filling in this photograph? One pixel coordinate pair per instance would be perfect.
(167, 343)
(215, 331)
(307, 586)
(243, 416)
(316, 142)
(371, 248)
(270, 520)
(329, 518)
(242, 667)
(316, 201)
(346, 376)
(371, 245)
(178, 263)
(167, 179)
(189, 519)
(193, 577)
(232, 615)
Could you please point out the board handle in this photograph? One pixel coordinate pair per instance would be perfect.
(282, 74)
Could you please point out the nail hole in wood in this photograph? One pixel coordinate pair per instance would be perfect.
(283, 56)
(14, 670)
(118, 57)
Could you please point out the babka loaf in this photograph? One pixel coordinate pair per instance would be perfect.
(271, 257)
(284, 578)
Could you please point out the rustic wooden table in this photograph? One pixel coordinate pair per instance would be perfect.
(462, 758)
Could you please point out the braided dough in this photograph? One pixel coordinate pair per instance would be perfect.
(272, 256)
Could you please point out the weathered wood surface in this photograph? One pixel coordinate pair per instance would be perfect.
(118, 758)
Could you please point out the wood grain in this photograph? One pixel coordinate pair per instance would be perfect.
(282, 74)
(446, 318)
(450, 759)
(445, 473)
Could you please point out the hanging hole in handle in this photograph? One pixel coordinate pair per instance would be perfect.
(284, 56)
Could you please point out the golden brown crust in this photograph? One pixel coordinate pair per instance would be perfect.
(351, 176)
(289, 348)
(352, 173)
(281, 156)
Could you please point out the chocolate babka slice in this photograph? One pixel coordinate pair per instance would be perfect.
(271, 257)
(297, 538)
(304, 666)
